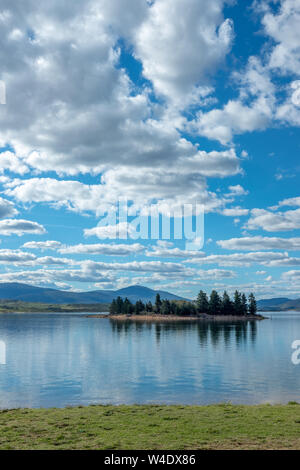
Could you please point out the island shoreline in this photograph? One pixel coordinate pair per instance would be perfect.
(174, 318)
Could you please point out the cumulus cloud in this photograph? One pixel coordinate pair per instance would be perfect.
(49, 277)
(7, 208)
(134, 266)
(179, 44)
(15, 256)
(164, 249)
(251, 111)
(174, 184)
(235, 212)
(20, 227)
(103, 249)
(260, 243)
(9, 161)
(283, 27)
(43, 246)
(291, 275)
(244, 259)
(121, 230)
(273, 222)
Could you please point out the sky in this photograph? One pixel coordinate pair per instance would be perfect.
(162, 103)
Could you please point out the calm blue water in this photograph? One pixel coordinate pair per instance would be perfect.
(58, 360)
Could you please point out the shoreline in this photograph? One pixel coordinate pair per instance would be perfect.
(174, 318)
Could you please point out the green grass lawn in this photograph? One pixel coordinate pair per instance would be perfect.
(152, 427)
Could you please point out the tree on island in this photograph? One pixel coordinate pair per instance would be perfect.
(226, 306)
(139, 307)
(157, 303)
(165, 307)
(202, 302)
(252, 305)
(214, 303)
(214, 306)
(120, 304)
(128, 308)
(237, 303)
(149, 307)
(244, 307)
(113, 310)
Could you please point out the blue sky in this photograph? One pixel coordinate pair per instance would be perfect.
(163, 103)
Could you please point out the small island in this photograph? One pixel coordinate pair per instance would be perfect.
(213, 308)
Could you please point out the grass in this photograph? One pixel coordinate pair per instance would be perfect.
(149, 427)
(17, 306)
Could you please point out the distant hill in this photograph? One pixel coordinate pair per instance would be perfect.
(27, 293)
(279, 304)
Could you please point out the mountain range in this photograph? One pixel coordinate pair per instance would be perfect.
(279, 304)
(28, 293)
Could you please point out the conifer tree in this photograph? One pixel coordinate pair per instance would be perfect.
(237, 303)
(119, 304)
(113, 308)
(214, 303)
(202, 302)
(165, 307)
(244, 306)
(139, 307)
(157, 303)
(127, 307)
(252, 304)
(226, 307)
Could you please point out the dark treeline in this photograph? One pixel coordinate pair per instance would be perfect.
(214, 305)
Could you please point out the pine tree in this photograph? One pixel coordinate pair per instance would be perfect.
(165, 307)
(226, 307)
(237, 303)
(244, 306)
(252, 305)
(127, 307)
(214, 303)
(157, 303)
(173, 308)
(120, 305)
(149, 307)
(202, 302)
(113, 309)
(139, 307)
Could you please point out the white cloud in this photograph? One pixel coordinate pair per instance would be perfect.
(260, 243)
(237, 190)
(134, 266)
(43, 246)
(7, 208)
(15, 256)
(291, 275)
(235, 212)
(292, 201)
(273, 222)
(121, 230)
(104, 249)
(9, 161)
(165, 249)
(283, 27)
(180, 44)
(251, 111)
(20, 227)
(244, 259)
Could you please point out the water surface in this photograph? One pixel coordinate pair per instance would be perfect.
(54, 360)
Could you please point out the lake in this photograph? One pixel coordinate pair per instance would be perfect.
(55, 360)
